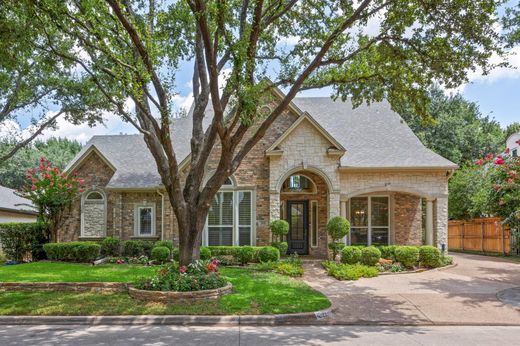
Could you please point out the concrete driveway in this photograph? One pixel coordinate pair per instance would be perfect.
(464, 294)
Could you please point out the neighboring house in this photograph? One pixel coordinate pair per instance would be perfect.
(320, 158)
(14, 208)
(513, 143)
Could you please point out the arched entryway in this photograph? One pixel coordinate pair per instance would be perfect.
(304, 204)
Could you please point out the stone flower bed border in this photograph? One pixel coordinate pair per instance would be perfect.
(173, 297)
(419, 270)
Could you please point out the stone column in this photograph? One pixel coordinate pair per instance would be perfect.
(429, 222)
(343, 213)
(441, 218)
(334, 208)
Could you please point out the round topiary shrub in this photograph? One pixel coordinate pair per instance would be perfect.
(430, 256)
(160, 254)
(282, 246)
(110, 247)
(407, 255)
(246, 254)
(350, 255)
(279, 228)
(175, 254)
(268, 254)
(205, 253)
(337, 228)
(167, 243)
(370, 255)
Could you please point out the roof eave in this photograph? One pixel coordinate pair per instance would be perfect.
(398, 168)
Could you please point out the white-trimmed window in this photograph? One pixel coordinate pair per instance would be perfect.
(369, 220)
(314, 223)
(230, 217)
(145, 220)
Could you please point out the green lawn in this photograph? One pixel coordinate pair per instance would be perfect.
(254, 293)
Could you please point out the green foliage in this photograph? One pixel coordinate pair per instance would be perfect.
(167, 243)
(350, 255)
(246, 254)
(205, 253)
(430, 256)
(337, 228)
(289, 268)
(110, 247)
(59, 151)
(279, 227)
(268, 254)
(175, 254)
(407, 255)
(160, 254)
(133, 248)
(20, 238)
(282, 246)
(79, 251)
(388, 252)
(370, 255)
(147, 246)
(342, 271)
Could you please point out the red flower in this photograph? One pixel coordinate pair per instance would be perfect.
(182, 269)
(479, 162)
(499, 161)
(506, 151)
(497, 187)
(488, 157)
(510, 181)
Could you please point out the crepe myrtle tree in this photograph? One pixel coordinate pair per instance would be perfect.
(366, 50)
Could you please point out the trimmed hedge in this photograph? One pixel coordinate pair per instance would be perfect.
(430, 256)
(205, 253)
(78, 251)
(388, 252)
(407, 255)
(167, 243)
(268, 254)
(111, 247)
(20, 238)
(282, 246)
(370, 255)
(246, 254)
(160, 254)
(350, 255)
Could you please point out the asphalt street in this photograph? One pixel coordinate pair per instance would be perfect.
(79, 335)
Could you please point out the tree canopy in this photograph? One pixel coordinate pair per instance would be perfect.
(366, 50)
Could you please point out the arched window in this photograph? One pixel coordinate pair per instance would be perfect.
(299, 183)
(93, 214)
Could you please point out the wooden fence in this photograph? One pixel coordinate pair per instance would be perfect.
(484, 234)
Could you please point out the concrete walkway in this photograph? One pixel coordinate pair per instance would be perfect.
(464, 294)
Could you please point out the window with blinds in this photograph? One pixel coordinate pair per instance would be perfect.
(230, 219)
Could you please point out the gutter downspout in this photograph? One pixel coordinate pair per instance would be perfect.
(162, 214)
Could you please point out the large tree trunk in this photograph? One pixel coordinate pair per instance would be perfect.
(190, 234)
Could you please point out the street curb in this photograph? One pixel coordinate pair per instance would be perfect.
(305, 318)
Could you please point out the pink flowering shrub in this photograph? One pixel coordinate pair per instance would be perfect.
(52, 192)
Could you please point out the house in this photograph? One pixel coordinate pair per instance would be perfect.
(513, 143)
(320, 158)
(14, 208)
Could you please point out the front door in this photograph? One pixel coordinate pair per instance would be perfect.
(298, 218)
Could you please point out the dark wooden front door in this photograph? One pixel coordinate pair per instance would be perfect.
(298, 218)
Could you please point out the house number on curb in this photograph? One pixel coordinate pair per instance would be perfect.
(321, 314)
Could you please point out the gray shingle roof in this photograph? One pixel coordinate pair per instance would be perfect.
(374, 137)
(12, 202)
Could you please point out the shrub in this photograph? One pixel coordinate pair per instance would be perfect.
(350, 255)
(335, 248)
(407, 255)
(446, 260)
(246, 254)
(132, 248)
(430, 256)
(268, 254)
(147, 246)
(175, 254)
(388, 252)
(110, 247)
(20, 238)
(205, 253)
(337, 228)
(166, 243)
(233, 251)
(349, 271)
(79, 251)
(160, 254)
(279, 228)
(370, 255)
(282, 246)
(289, 268)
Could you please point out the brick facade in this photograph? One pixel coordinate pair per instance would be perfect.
(407, 219)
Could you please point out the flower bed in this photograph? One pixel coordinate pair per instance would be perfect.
(110, 287)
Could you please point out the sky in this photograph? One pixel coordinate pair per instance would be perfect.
(497, 94)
